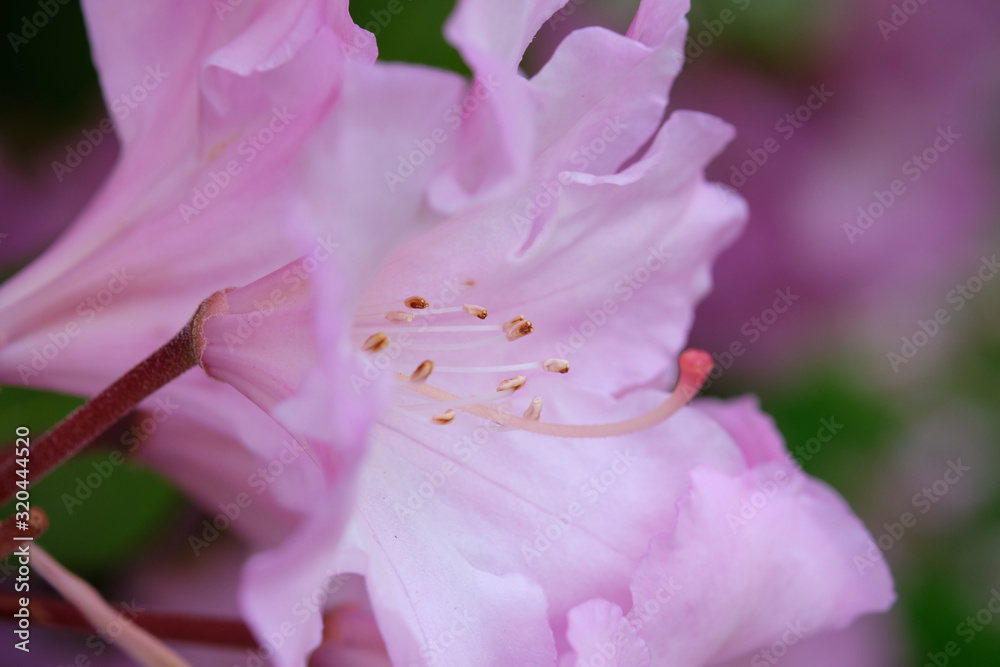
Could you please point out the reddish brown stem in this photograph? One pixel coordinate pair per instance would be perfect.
(36, 524)
(176, 627)
(98, 414)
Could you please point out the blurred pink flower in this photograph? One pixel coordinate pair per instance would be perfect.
(871, 641)
(44, 204)
(861, 276)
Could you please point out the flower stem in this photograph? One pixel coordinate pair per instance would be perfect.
(98, 414)
(12, 534)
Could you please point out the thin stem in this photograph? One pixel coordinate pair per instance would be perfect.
(98, 414)
(13, 533)
(168, 627)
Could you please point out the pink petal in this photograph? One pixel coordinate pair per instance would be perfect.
(277, 585)
(365, 172)
(441, 519)
(222, 450)
(654, 224)
(655, 19)
(147, 223)
(755, 432)
(495, 121)
(755, 556)
(501, 30)
(278, 345)
(603, 96)
(259, 338)
(598, 629)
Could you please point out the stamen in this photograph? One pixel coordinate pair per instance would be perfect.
(458, 328)
(416, 302)
(423, 372)
(508, 367)
(514, 383)
(513, 322)
(398, 316)
(446, 417)
(471, 400)
(519, 331)
(375, 307)
(376, 342)
(455, 346)
(694, 366)
(556, 365)
(475, 311)
(534, 411)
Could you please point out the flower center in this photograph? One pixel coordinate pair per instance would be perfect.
(452, 345)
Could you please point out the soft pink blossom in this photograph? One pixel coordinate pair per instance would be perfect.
(564, 197)
(469, 556)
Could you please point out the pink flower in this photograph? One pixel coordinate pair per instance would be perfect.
(468, 534)
(564, 211)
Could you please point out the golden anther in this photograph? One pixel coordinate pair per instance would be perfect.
(423, 372)
(376, 342)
